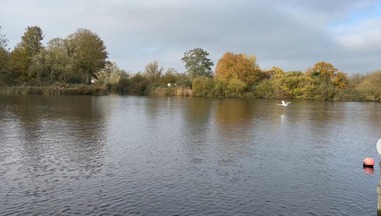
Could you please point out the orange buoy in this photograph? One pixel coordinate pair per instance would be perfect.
(368, 162)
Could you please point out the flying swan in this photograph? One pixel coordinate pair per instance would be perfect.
(284, 103)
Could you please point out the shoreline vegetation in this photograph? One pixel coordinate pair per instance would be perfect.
(87, 90)
(78, 65)
(344, 95)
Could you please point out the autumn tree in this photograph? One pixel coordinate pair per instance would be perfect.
(197, 63)
(370, 86)
(240, 67)
(21, 56)
(340, 80)
(323, 69)
(89, 52)
(275, 72)
(326, 72)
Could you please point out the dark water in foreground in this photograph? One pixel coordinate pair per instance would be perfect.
(186, 156)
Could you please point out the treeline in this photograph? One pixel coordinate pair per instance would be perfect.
(78, 64)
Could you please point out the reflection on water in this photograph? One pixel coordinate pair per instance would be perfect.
(368, 170)
(185, 156)
(48, 143)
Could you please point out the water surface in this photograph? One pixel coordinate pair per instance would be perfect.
(186, 156)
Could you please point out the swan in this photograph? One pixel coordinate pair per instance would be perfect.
(284, 103)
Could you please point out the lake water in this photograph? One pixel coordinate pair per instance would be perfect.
(114, 155)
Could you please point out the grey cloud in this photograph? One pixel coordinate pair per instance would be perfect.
(292, 34)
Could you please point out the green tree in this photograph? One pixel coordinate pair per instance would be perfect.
(170, 76)
(32, 40)
(53, 64)
(197, 63)
(89, 52)
(112, 77)
(139, 85)
(21, 56)
(5, 77)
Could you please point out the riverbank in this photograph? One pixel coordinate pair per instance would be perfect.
(53, 90)
(87, 90)
(348, 95)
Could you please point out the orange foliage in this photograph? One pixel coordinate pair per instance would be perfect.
(240, 67)
(325, 69)
(328, 71)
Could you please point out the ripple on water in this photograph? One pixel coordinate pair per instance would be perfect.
(144, 158)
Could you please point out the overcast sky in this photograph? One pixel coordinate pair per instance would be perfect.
(291, 34)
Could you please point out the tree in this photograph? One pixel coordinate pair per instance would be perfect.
(324, 72)
(197, 63)
(370, 86)
(4, 56)
(3, 51)
(53, 64)
(3, 40)
(153, 71)
(170, 76)
(276, 72)
(139, 85)
(324, 69)
(61, 63)
(89, 52)
(21, 56)
(111, 76)
(31, 41)
(340, 80)
(240, 67)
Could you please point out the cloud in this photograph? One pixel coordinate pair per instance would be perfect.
(359, 34)
(293, 34)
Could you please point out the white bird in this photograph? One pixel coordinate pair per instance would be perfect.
(284, 103)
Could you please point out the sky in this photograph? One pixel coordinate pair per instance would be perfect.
(290, 34)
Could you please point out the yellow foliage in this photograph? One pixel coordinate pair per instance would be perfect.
(240, 67)
(325, 69)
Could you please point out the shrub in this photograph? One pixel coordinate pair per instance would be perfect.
(202, 86)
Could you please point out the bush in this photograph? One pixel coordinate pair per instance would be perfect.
(235, 88)
(264, 89)
(139, 85)
(202, 87)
